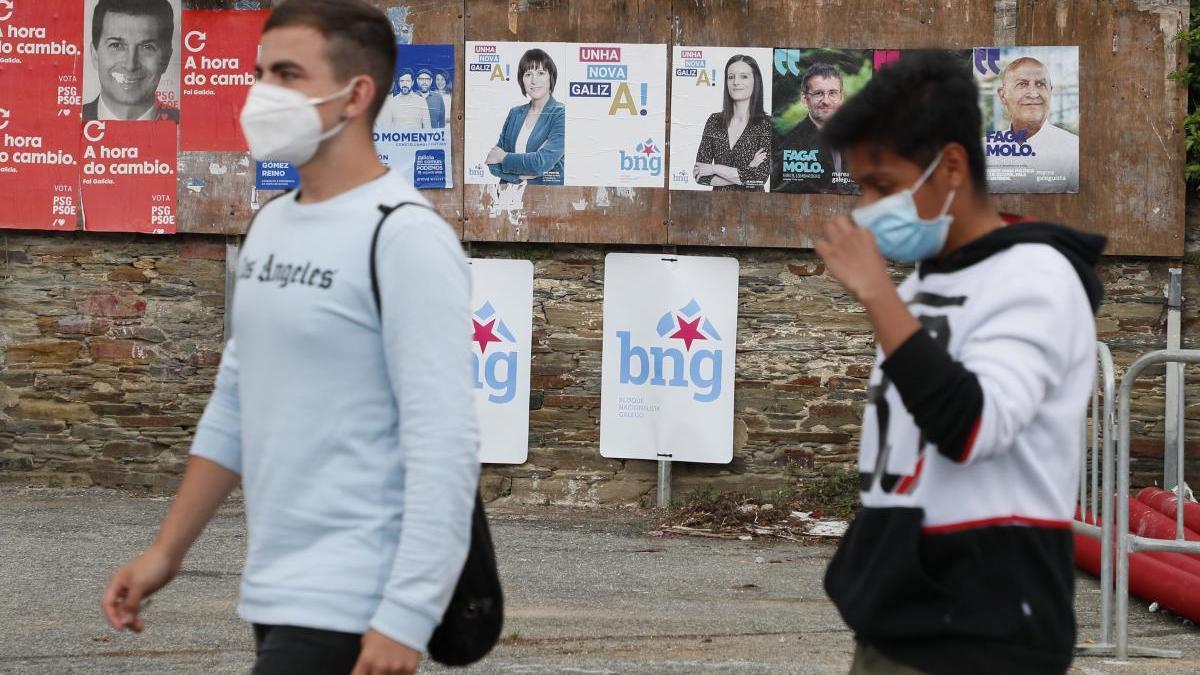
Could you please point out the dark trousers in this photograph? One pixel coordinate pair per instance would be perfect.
(870, 661)
(291, 650)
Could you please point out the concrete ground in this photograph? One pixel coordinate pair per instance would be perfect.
(587, 592)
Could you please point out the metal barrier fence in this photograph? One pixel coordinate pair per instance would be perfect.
(1128, 543)
(1100, 452)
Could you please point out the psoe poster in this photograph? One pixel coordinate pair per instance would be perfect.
(502, 334)
(667, 367)
(128, 176)
(721, 119)
(34, 31)
(1029, 97)
(131, 61)
(40, 48)
(220, 54)
(565, 113)
(130, 130)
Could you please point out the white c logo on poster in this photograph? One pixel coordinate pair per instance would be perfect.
(94, 127)
(6, 9)
(4, 115)
(202, 38)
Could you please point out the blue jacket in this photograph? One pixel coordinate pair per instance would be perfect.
(548, 136)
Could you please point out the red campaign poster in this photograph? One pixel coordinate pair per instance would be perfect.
(128, 170)
(220, 48)
(39, 139)
(40, 58)
(40, 30)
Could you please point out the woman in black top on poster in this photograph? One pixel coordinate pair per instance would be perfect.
(735, 150)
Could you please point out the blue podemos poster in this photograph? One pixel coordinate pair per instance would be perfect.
(413, 130)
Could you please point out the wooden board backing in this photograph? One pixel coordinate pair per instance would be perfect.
(1131, 141)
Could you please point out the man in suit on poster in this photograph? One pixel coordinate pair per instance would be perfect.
(131, 49)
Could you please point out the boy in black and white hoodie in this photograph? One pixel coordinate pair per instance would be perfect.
(961, 559)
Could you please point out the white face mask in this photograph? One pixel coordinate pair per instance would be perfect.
(282, 125)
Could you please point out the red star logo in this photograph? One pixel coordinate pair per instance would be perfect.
(688, 332)
(484, 335)
(648, 149)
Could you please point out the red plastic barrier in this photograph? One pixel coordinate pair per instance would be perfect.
(1149, 579)
(1138, 517)
(1164, 501)
(1146, 521)
(1184, 561)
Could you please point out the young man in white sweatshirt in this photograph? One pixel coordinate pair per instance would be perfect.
(961, 558)
(345, 411)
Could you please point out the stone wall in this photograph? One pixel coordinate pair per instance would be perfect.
(108, 350)
(109, 346)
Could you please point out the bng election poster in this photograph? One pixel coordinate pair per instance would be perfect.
(809, 86)
(1029, 97)
(721, 132)
(558, 113)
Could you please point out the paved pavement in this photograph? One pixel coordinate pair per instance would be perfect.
(587, 590)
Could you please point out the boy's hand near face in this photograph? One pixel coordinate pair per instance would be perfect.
(851, 256)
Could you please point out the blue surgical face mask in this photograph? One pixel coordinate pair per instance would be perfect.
(900, 232)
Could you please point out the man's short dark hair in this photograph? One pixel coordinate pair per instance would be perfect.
(534, 58)
(914, 107)
(159, 9)
(818, 70)
(360, 38)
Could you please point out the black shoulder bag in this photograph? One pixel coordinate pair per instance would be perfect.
(473, 621)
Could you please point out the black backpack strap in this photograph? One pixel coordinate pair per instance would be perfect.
(386, 211)
(472, 623)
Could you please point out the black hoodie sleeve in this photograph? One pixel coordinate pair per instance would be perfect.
(943, 397)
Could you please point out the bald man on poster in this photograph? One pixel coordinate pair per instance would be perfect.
(1053, 162)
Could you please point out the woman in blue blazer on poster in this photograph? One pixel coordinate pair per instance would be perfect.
(531, 144)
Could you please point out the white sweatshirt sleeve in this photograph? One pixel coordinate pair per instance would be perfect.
(1026, 347)
(424, 287)
(219, 432)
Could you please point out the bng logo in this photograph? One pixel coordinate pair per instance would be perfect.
(674, 364)
(494, 372)
(647, 158)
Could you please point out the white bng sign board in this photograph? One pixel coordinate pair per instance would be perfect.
(670, 334)
(501, 334)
